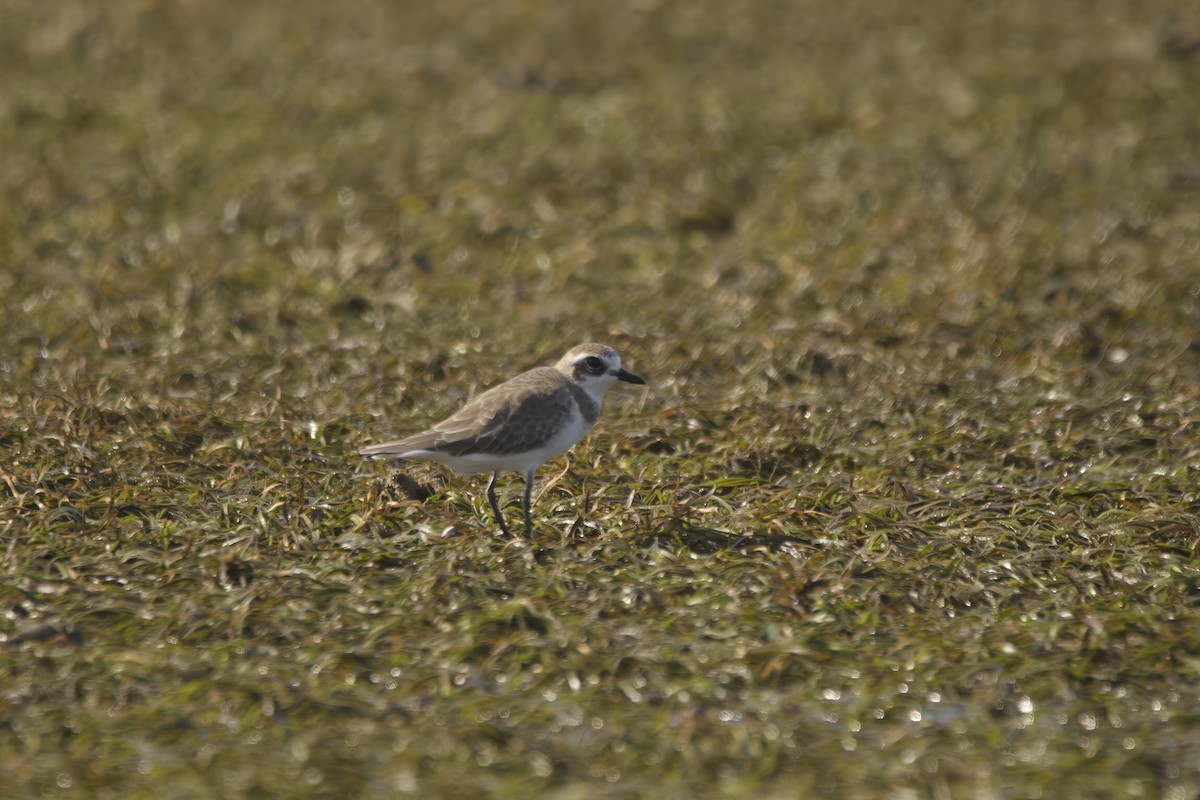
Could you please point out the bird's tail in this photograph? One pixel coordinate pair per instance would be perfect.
(387, 450)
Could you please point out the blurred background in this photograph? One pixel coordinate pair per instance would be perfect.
(710, 184)
(908, 508)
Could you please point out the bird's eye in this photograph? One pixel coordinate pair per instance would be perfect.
(594, 364)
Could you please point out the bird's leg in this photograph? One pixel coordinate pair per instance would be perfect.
(528, 502)
(491, 494)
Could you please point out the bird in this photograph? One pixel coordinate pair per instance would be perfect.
(518, 424)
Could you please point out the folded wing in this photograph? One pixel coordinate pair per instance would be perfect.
(486, 425)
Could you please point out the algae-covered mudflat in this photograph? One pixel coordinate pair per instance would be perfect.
(908, 508)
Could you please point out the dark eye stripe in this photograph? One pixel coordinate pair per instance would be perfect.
(594, 364)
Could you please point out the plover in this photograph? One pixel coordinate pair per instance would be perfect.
(517, 425)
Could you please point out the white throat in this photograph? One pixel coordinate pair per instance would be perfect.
(596, 388)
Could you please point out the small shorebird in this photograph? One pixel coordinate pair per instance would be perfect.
(517, 425)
